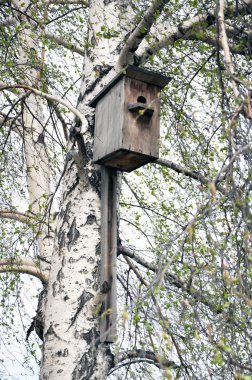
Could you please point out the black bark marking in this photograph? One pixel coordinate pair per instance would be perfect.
(38, 321)
(95, 181)
(64, 213)
(85, 367)
(64, 353)
(41, 139)
(91, 336)
(95, 276)
(98, 249)
(81, 94)
(103, 70)
(60, 275)
(61, 239)
(88, 281)
(82, 300)
(54, 288)
(74, 185)
(91, 219)
(51, 331)
(74, 131)
(89, 146)
(91, 260)
(65, 218)
(73, 234)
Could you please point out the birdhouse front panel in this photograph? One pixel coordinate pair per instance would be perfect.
(141, 118)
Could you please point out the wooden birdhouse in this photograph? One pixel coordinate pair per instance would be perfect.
(127, 116)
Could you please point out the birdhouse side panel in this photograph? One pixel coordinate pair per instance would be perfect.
(108, 122)
(141, 117)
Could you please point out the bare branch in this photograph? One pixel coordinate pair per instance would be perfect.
(170, 36)
(163, 319)
(26, 266)
(14, 123)
(133, 255)
(61, 41)
(17, 262)
(140, 32)
(179, 169)
(191, 174)
(173, 279)
(52, 98)
(18, 216)
(143, 355)
(224, 42)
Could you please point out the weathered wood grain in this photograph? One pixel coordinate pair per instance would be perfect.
(141, 131)
(108, 254)
(108, 122)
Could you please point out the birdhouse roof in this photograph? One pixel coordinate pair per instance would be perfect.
(134, 72)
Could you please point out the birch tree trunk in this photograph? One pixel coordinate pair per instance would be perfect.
(37, 162)
(72, 349)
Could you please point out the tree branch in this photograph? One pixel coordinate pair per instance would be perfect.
(46, 33)
(18, 216)
(163, 320)
(133, 255)
(179, 169)
(61, 41)
(194, 28)
(143, 355)
(52, 98)
(224, 43)
(26, 266)
(191, 174)
(240, 151)
(171, 278)
(140, 32)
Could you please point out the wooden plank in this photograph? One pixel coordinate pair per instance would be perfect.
(141, 132)
(108, 254)
(108, 122)
(125, 160)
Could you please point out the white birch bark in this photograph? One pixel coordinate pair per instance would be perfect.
(72, 349)
(37, 163)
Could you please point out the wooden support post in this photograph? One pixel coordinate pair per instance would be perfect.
(108, 253)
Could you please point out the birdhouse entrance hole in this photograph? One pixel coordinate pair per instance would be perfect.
(141, 99)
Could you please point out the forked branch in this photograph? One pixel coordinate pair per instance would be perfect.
(140, 32)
